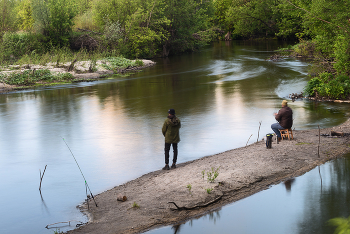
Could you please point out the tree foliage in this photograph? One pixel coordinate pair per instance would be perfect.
(25, 20)
(155, 27)
(7, 16)
(54, 19)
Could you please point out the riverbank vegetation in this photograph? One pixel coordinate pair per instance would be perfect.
(43, 31)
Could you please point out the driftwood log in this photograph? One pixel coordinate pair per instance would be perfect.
(196, 206)
(71, 66)
(121, 197)
(334, 133)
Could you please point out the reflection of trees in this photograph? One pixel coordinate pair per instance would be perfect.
(330, 203)
(333, 113)
(212, 216)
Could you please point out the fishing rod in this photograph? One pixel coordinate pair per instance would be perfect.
(86, 184)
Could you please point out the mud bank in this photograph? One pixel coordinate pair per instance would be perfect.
(243, 172)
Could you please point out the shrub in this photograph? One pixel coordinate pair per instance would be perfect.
(16, 45)
(312, 86)
(326, 85)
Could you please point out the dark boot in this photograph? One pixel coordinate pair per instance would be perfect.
(166, 167)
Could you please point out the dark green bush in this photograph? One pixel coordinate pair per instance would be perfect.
(328, 86)
(312, 86)
(16, 45)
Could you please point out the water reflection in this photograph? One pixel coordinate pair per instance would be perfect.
(212, 216)
(288, 184)
(331, 202)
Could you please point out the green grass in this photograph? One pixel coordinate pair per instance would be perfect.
(209, 190)
(211, 175)
(189, 186)
(135, 205)
(32, 77)
(303, 143)
(116, 63)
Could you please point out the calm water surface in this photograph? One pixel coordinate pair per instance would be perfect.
(113, 126)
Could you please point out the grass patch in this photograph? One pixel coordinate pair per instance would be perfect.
(211, 175)
(303, 143)
(32, 77)
(209, 190)
(135, 205)
(117, 63)
(189, 186)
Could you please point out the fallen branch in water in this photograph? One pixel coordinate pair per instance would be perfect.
(196, 206)
(79, 224)
(41, 178)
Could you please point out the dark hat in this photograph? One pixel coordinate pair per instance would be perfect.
(171, 111)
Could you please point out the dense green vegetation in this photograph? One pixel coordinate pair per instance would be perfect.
(34, 29)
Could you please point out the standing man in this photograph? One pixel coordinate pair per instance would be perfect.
(284, 118)
(171, 133)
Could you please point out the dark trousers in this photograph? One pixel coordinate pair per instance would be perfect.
(166, 151)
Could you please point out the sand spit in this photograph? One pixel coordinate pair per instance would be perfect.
(243, 172)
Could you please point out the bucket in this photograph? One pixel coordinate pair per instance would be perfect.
(269, 140)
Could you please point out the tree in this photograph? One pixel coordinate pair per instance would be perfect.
(186, 18)
(25, 19)
(54, 19)
(254, 18)
(221, 7)
(7, 16)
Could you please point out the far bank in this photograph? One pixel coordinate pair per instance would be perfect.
(30, 76)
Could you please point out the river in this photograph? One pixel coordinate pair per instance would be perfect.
(113, 126)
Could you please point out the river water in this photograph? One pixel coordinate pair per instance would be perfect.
(113, 126)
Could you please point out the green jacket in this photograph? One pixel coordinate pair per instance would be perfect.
(171, 129)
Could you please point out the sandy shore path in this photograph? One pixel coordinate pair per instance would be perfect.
(242, 172)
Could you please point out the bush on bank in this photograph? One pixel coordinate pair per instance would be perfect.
(329, 86)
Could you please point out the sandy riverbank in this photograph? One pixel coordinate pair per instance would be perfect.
(80, 72)
(243, 172)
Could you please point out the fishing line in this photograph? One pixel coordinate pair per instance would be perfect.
(86, 184)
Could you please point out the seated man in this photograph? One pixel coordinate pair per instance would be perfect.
(284, 118)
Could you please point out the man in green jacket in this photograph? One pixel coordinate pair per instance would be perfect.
(171, 133)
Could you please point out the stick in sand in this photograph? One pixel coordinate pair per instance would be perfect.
(248, 140)
(257, 139)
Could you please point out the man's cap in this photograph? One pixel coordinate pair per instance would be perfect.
(284, 103)
(171, 111)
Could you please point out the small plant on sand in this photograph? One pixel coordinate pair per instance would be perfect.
(189, 186)
(57, 231)
(203, 173)
(135, 205)
(213, 174)
(209, 190)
